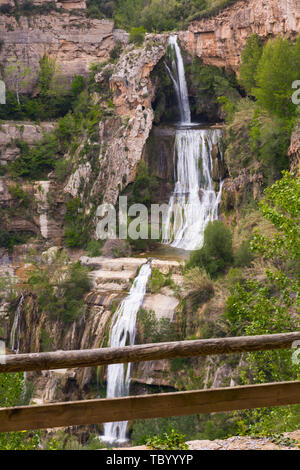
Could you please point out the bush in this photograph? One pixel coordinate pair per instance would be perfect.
(243, 256)
(137, 35)
(76, 232)
(35, 162)
(217, 253)
(60, 287)
(159, 280)
(170, 440)
(154, 330)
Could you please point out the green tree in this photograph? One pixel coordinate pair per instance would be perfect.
(250, 59)
(276, 71)
(216, 255)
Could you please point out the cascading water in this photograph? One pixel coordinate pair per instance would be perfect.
(178, 78)
(194, 201)
(15, 331)
(122, 333)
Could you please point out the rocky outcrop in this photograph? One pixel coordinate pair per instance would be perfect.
(125, 135)
(74, 40)
(219, 40)
(22, 131)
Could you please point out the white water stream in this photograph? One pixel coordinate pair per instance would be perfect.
(122, 333)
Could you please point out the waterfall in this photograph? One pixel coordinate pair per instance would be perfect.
(122, 333)
(15, 331)
(194, 201)
(178, 78)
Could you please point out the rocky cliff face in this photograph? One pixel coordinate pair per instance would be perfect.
(74, 40)
(220, 40)
(126, 136)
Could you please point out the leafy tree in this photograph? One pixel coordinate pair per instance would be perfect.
(276, 71)
(250, 59)
(271, 306)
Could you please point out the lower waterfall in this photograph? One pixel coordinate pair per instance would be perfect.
(122, 333)
(194, 201)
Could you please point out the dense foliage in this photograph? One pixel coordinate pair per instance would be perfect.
(12, 393)
(271, 306)
(155, 15)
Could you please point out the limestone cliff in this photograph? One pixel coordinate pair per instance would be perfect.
(219, 40)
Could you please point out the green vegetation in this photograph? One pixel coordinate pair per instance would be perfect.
(216, 255)
(271, 307)
(53, 96)
(208, 85)
(152, 330)
(251, 56)
(159, 280)
(36, 162)
(137, 35)
(12, 394)
(171, 440)
(162, 15)
(9, 239)
(59, 287)
(205, 426)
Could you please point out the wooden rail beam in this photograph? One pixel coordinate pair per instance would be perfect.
(145, 352)
(148, 406)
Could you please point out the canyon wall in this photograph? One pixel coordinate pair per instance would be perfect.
(219, 40)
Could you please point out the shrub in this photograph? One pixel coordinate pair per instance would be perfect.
(35, 162)
(159, 280)
(200, 287)
(60, 287)
(76, 234)
(170, 440)
(137, 35)
(243, 256)
(216, 255)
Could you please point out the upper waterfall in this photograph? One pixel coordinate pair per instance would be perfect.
(178, 78)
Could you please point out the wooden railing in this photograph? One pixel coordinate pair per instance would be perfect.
(147, 406)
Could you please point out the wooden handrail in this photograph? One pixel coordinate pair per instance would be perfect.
(145, 352)
(148, 406)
